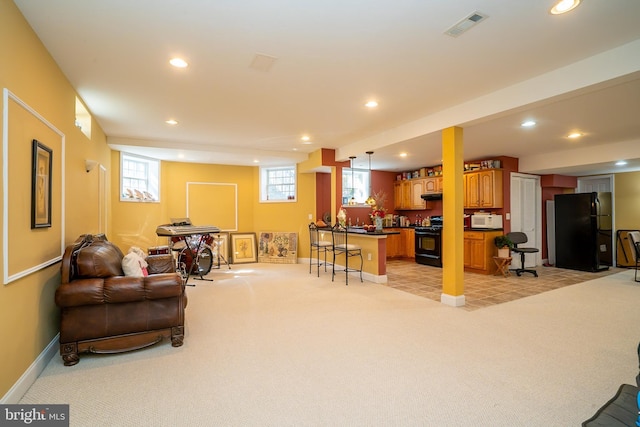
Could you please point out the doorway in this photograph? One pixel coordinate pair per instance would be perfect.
(526, 215)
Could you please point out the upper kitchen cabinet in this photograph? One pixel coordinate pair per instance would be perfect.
(433, 185)
(402, 195)
(407, 194)
(417, 190)
(483, 189)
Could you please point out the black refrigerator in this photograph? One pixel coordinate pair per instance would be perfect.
(583, 231)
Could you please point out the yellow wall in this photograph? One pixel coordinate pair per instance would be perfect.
(627, 201)
(134, 223)
(28, 315)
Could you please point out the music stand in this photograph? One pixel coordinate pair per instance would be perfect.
(219, 252)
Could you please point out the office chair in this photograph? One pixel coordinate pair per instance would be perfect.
(518, 237)
(634, 236)
(317, 245)
(341, 246)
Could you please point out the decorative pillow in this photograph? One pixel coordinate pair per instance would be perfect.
(134, 264)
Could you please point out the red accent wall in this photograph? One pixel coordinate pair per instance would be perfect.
(323, 194)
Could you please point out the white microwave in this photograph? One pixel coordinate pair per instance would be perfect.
(486, 221)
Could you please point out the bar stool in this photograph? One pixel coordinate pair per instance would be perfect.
(318, 245)
(341, 246)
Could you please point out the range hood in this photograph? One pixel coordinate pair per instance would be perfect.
(431, 196)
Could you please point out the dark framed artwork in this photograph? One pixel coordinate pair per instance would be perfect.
(41, 173)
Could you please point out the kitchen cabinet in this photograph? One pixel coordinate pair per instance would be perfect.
(417, 190)
(406, 194)
(402, 195)
(409, 240)
(483, 189)
(433, 185)
(401, 245)
(395, 248)
(479, 251)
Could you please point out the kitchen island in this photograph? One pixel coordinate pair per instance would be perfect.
(374, 251)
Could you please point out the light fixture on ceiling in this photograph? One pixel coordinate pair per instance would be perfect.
(370, 200)
(528, 123)
(564, 6)
(621, 163)
(178, 63)
(371, 104)
(574, 135)
(352, 200)
(403, 154)
(171, 122)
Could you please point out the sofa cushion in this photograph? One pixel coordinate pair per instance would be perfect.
(100, 259)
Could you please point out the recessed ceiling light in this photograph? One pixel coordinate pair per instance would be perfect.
(305, 138)
(178, 63)
(171, 122)
(574, 135)
(528, 123)
(564, 6)
(256, 161)
(403, 154)
(621, 163)
(371, 104)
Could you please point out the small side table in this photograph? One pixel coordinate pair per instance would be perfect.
(503, 265)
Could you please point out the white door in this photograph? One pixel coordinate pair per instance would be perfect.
(599, 184)
(526, 215)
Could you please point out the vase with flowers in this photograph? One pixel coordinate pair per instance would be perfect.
(377, 210)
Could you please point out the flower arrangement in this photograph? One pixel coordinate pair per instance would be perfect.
(377, 209)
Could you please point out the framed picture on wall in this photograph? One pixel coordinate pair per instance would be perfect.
(243, 248)
(41, 165)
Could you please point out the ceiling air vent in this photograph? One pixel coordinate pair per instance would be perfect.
(465, 24)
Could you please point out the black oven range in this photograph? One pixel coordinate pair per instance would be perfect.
(429, 243)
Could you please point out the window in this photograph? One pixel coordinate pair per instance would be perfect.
(278, 184)
(358, 189)
(139, 178)
(83, 118)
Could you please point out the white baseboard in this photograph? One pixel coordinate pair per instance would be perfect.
(375, 278)
(453, 301)
(30, 376)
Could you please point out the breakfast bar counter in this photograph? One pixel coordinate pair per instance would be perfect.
(374, 251)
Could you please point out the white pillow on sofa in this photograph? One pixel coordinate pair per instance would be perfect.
(134, 264)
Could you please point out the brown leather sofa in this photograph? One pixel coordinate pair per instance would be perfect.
(103, 311)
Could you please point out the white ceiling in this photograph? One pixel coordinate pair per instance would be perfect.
(579, 71)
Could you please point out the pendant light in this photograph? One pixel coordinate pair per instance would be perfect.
(370, 200)
(352, 201)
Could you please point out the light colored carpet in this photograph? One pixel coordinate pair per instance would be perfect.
(271, 345)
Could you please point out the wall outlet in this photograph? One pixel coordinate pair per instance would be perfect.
(369, 257)
(310, 216)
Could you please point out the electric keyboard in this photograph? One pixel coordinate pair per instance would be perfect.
(185, 230)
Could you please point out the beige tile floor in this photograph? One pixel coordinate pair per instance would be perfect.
(483, 290)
